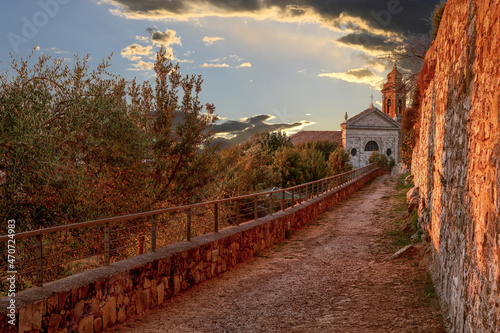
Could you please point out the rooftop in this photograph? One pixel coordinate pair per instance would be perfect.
(308, 136)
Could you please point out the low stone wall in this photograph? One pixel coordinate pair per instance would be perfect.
(97, 299)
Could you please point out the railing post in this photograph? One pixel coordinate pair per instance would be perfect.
(106, 244)
(255, 207)
(238, 212)
(153, 234)
(216, 217)
(307, 192)
(271, 203)
(188, 224)
(293, 198)
(39, 261)
(283, 200)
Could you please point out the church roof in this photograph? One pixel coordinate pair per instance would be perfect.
(357, 120)
(312, 136)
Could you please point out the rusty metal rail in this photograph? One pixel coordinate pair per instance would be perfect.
(49, 254)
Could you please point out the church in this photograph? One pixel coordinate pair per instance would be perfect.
(372, 129)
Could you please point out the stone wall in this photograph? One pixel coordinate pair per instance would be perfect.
(456, 163)
(97, 299)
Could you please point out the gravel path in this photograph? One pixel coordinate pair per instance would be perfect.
(332, 276)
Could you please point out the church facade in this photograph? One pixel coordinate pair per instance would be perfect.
(374, 130)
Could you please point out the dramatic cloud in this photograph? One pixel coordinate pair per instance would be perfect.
(359, 75)
(165, 39)
(234, 132)
(368, 43)
(139, 53)
(384, 17)
(209, 41)
(135, 52)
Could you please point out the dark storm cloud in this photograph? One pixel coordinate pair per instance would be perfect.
(399, 16)
(246, 128)
(368, 41)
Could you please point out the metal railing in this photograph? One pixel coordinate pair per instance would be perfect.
(49, 254)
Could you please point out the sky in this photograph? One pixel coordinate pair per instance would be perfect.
(286, 65)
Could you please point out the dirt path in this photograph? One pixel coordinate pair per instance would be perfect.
(329, 277)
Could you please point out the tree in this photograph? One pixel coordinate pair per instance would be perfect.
(315, 166)
(338, 162)
(79, 143)
(324, 146)
(289, 165)
(377, 157)
(272, 141)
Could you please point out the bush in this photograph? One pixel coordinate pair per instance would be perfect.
(436, 17)
(375, 157)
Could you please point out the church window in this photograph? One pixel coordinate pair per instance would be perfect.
(388, 152)
(353, 152)
(389, 105)
(400, 103)
(371, 146)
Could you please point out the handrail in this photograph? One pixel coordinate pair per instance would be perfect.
(163, 229)
(48, 230)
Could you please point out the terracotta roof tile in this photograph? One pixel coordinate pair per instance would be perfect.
(308, 136)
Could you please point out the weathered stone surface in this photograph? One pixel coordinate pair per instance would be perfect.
(109, 313)
(142, 301)
(86, 325)
(30, 318)
(406, 251)
(98, 325)
(78, 312)
(55, 320)
(456, 163)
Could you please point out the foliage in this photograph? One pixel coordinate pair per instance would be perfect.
(290, 167)
(407, 147)
(315, 166)
(338, 162)
(376, 157)
(324, 146)
(436, 17)
(80, 143)
(269, 159)
(270, 142)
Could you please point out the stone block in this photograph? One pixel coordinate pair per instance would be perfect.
(30, 318)
(160, 290)
(86, 325)
(98, 325)
(55, 320)
(147, 283)
(142, 301)
(52, 303)
(109, 313)
(177, 284)
(215, 255)
(78, 311)
(62, 300)
(121, 316)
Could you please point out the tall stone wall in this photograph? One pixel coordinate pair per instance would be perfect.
(456, 163)
(95, 300)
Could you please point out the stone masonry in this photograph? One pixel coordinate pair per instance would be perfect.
(456, 163)
(95, 300)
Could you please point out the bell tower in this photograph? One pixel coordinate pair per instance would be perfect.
(394, 95)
